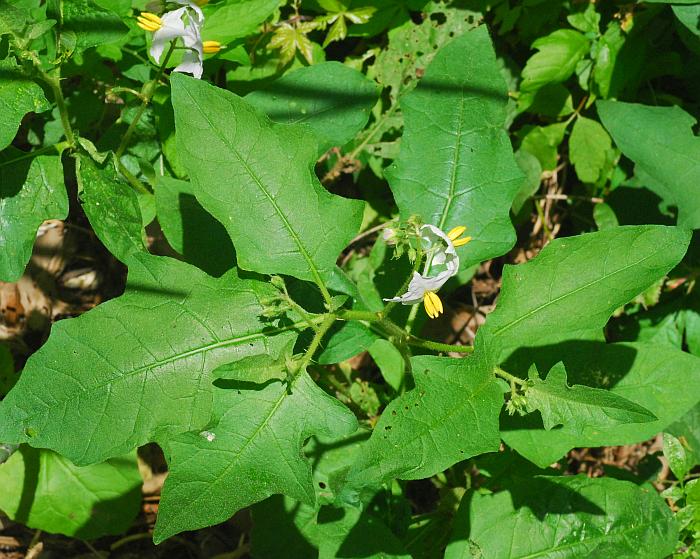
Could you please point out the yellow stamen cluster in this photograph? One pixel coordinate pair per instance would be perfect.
(211, 47)
(454, 235)
(149, 22)
(432, 304)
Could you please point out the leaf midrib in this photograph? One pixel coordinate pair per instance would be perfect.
(455, 163)
(179, 356)
(302, 249)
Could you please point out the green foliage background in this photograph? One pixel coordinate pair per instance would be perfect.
(563, 135)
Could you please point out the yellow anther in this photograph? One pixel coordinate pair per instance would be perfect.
(432, 304)
(462, 241)
(149, 22)
(211, 47)
(456, 232)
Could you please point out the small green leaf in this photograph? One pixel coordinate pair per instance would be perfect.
(578, 406)
(19, 95)
(330, 98)
(661, 142)
(604, 217)
(587, 20)
(456, 164)
(45, 491)
(289, 224)
(390, 362)
(252, 451)
(451, 415)
(542, 302)
(531, 168)
(31, 191)
(349, 340)
(588, 147)
(559, 52)
(143, 358)
(679, 460)
(111, 206)
(259, 368)
(564, 518)
(543, 142)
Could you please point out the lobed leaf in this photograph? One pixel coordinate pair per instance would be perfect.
(456, 165)
(564, 518)
(570, 290)
(451, 415)
(137, 368)
(288, 223)
(578, 407)
(251, 452)
(662, 379)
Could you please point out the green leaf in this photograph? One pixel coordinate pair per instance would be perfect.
(661, 142)
(604, 216)
(456, 165)
(45, 491)
(111, 206)
(572, 287)
(289, 224)
(236, 19)
(137, 368)
(451, 415)
(679, 460)
(330, 98)
(609, 47)
(559, 52)
(91, 24)
(689, 16)
(531, 168)
(19, 95)
(588, 147)
(565, 518)
(578, 406)
(390, 362)
(587, 20)
(543, 142)
(552, 100)
(662, 379)
(350, 339)
(31, 191)
(687, 429)
(252, 451)
(259, 368)
(190, 230)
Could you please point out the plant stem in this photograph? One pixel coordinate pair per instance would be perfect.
(328, 321)
(148, 92)
(512, 379)
(59, 147)
(438, 346)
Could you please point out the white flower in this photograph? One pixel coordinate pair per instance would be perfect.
(442, 263)
(185, 23)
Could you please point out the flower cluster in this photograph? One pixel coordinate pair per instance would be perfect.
(184, 23)
(442, 262)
